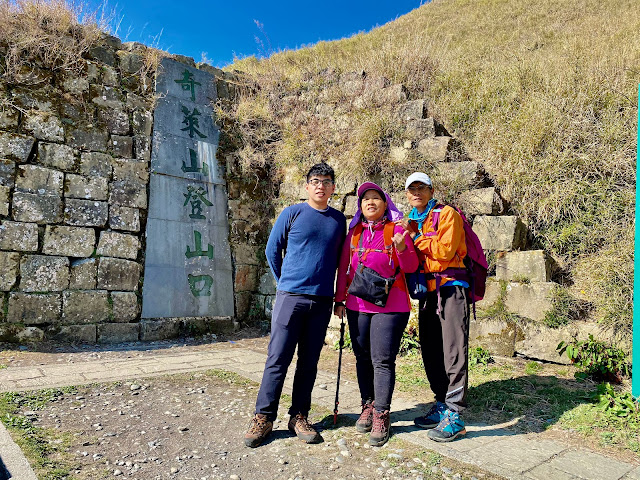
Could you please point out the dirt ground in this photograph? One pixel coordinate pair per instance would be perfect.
(192, 427)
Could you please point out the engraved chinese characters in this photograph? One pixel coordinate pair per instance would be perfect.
(188, 261)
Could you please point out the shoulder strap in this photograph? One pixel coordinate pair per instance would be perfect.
(355, 238)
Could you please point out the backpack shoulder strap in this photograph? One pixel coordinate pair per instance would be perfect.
(389, 228)
(355, 238)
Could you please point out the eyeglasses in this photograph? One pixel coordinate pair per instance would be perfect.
(419, 189)
(314, 182)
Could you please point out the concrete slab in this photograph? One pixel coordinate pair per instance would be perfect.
(633, 474)
(517, 454)
(186, 158)
(584, 464)
(183, 82)
(186, 119)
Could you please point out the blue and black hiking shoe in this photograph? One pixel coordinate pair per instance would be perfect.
(450, 427)
(433, 416)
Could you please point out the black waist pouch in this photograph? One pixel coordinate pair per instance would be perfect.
(370, 286)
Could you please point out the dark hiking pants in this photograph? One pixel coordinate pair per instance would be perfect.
(444, 340)
(297, 320)
(375, 338)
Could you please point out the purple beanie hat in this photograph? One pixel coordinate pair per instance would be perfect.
(392, 212)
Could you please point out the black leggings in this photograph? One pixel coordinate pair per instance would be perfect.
(375, 338)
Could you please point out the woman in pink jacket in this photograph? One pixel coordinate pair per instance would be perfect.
(376, 242)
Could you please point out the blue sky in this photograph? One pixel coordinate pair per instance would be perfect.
(222, 30)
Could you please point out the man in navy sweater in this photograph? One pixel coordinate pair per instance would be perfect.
(302, 251)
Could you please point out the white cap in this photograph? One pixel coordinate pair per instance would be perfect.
(418, 177)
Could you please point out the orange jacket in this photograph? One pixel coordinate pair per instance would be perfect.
(446, 248)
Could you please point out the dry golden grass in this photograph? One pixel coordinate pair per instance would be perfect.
(543, 93)
(47, 32)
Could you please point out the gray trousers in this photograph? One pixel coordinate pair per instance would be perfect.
(444, 340)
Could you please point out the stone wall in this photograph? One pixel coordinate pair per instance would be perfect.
(74, 187)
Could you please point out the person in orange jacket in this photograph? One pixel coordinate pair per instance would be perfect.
(443, 320)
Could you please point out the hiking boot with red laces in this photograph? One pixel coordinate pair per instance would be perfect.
(380, 428)
(300, 426)
(258, 431)
(363, 424)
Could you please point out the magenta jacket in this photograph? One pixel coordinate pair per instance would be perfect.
(379, 261)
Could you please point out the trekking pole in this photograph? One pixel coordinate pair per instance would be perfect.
(335, 408)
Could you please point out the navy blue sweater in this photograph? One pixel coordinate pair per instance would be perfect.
(304, 248)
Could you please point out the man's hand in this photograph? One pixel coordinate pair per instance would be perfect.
(338, 310)
(410, 226)
(398, 241)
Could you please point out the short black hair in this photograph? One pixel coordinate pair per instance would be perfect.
(321, 169)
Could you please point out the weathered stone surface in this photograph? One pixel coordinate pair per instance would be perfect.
(122, 146)
(72, 333)
(7, 172)
(491, 294)
(193, 326)
(40, 273)
(130, 62)
(84, 306)
(130, 169)
(142, 122)
(30, 98)
(118, 274)
(22, 237)
(86, 213)
(423, 128)
(392, 94)
(532, 265)
(159, 329)
(118, 332)
(268, 305)
(9, 263)
(246, 278)
(4, 200)
(33, 308)
(243, 304)
(95, 164)
(502, 233)
(75, 85)
(126, 307)
(436, 149)
(110, 76)
(498, 337)
(9, 118)
(40, 180)
(119, 245)
(29, 335)
(88, 138)
(61, 157)
(124, 218)
(102, 54)
(245, 254)
(128, 193)
(350, 206)
(69, 241)
(412, 110)
(44, 126)
(106, 96)
(142, 147)
(530, 300)
(459, 175)
(83, 274)
(480, 201)
(88, 188)
(116, 121)
(16, 147)
(267, 284)
(30, 207)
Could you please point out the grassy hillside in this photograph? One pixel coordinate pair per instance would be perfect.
(543, 93)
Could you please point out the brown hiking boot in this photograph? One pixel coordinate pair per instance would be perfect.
(363, 424)
(258, 431)
(300, 426)
(380, 429)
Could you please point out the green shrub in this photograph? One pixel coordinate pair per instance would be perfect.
(618, 404)
(479, 356)
(597, 359)
(410, 343)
